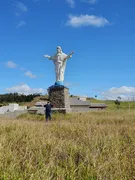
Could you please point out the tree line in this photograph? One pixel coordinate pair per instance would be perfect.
(15, 97)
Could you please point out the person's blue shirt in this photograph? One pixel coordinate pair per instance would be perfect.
(48, 108)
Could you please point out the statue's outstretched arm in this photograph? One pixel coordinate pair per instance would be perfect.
(49, 57)
(70, 55)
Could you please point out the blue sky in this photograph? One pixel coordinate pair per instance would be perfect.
(100, 32)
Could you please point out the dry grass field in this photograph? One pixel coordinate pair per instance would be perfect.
(97, 145)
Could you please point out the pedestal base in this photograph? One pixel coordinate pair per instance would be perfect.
(58, 83)
(59, 97)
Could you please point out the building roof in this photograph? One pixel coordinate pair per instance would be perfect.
(78, 102)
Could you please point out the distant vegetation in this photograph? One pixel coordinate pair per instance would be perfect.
(15, 97)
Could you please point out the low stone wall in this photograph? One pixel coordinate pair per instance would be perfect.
(41, 110)
(22, 108)
(15, 113)
(3, 109)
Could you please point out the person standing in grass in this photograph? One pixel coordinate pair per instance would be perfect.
(48, 111)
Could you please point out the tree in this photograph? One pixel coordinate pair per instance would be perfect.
(117, 102)
(15, 97)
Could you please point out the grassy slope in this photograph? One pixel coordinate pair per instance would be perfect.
(111, 105)
(97, 145)
(32, 103)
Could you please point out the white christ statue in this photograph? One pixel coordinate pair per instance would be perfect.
(59, 60)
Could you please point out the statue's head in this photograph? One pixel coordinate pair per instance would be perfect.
(59, 50)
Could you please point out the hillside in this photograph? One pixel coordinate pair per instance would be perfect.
(36, 99)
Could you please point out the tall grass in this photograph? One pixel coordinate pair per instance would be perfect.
(96, 145)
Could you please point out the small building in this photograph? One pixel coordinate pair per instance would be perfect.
(78, 105)
(83, 98)
(11, 108)
(81, 105)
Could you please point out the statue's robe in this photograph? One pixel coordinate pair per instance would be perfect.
(60, 60)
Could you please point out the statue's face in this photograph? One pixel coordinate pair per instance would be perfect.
(58, 49)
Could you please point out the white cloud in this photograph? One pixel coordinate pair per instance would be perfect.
(124, 92)
(71, 3)
(90, 1)
(22, 23)
(25, 89)
(87, 20)
(21, 6)
(29, 74)
(11, 64)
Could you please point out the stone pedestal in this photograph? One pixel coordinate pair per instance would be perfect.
(59, 97)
